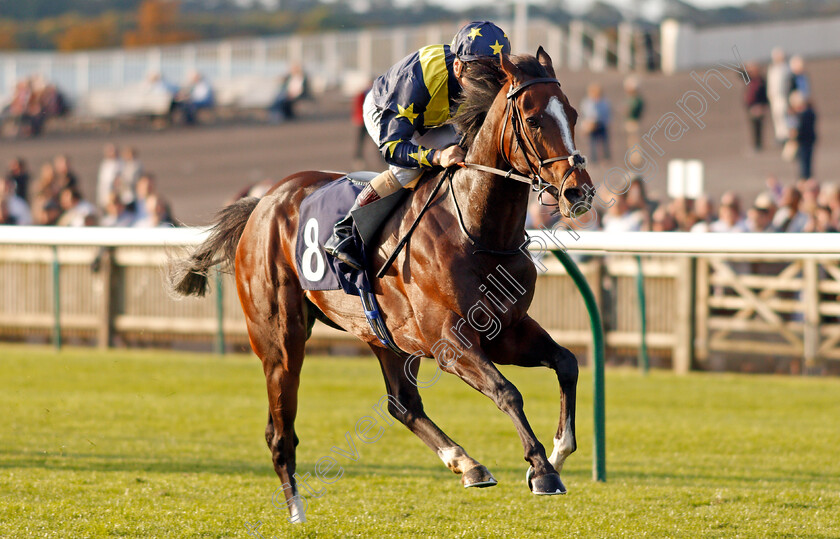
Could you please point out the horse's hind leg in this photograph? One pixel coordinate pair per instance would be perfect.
(404, 403)
(277, 329)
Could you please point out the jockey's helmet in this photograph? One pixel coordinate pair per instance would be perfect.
(479, 39)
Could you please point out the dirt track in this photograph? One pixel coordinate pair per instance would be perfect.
(198, 169)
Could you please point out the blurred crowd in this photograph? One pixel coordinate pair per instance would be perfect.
(784, 93)
(806, 206)
(34, 101)
(126, 194)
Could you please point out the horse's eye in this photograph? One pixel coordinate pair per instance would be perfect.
(532, 121)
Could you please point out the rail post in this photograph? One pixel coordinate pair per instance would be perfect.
(56, 289)
(599, 453)
(220, 313)
(644, 361)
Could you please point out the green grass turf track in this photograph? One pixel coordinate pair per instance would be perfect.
(157, 444)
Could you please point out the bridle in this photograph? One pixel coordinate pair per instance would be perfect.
(513, 115)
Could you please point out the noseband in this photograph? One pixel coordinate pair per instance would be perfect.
(513, 114)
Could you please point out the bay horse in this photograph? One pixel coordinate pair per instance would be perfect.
(519, 119)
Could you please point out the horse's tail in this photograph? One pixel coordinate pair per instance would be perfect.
(188, 276)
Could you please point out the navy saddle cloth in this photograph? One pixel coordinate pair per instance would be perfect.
(318, 214)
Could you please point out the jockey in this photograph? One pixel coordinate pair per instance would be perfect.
(405, 112)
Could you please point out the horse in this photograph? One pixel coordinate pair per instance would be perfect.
(434, 297)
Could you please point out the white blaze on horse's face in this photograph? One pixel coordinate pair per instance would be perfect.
(556, 111)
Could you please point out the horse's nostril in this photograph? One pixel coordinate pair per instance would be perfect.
(573, 195)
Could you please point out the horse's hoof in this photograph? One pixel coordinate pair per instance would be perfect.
(479, 477)
(546, 485)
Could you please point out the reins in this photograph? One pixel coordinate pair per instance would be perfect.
(381, 273)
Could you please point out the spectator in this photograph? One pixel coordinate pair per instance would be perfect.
(294, 87)
(144, 189)
(196, 96)
(755, 99)
(638, 200)
(778, 88)
(157, 87)
(805, 132)
(46, 185)
(64, 176)
(682, 211)
(788, 217)
(53, 102)
(116, 213)
(704, 214)
(157, 213)
(799, 79)
(5, 216)
(729, 215)
(19, 175)
(635, 107)
(109, 170)
(595, 113)
(621, 218)
(131, 171)
(760, 215)
(77, 211)
(46, 212)
(663, 221)
(16, 210)
(22, 110)
(830, 197)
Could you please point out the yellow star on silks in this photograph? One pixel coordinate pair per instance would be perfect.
(497, 49)
(390, 145)
(475, 32)
(421, 156)
(407, 112)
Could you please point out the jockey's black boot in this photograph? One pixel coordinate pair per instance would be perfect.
(341, 244)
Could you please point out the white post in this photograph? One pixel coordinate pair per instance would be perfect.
(118, 69)
(189, 55)
(82, 74)
(332, 62)
(676, 46)
(10, 73)
(520, 27)
(399, 48)
(554, 45)
(225, 60)
(46, 67)
(155, 61)
(296, 50)
(626, 32)
(599, 52)
(435, 35)
(365, 52)
(575, 46)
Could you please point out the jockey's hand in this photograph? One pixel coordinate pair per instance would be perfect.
(450, 156)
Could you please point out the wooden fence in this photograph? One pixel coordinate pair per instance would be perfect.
(699, 307)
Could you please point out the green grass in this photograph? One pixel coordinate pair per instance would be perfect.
(152, 444)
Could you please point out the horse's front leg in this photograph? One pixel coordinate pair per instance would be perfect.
(527, 344)
(404, 403)
(475, 366)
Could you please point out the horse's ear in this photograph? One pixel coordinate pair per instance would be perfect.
(545, 61)
(509, 68)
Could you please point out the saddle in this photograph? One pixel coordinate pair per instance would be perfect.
(318, 270)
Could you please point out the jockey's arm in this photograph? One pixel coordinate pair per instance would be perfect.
(396, 145)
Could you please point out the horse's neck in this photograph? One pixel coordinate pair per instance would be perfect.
(494, 208)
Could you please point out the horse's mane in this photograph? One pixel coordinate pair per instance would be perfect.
(476, 98)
